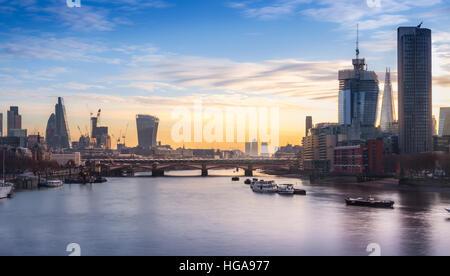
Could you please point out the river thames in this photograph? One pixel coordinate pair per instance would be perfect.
(215, 216)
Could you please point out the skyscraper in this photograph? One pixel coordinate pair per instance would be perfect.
(14, 119)
(1, 124)
(414, 90)
(444, 116)
(57, 132)
(147, 128)
(358, 93)
(309, 124)
(387, 107)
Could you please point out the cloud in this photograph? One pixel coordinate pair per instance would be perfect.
(274, 10)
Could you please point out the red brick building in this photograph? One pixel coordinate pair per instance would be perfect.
(363, 159)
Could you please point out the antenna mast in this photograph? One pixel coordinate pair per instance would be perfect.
(357, 41)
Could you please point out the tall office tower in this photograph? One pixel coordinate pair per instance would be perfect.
(248, 148)
(255, 148)
(50, 132)
(308, 124)
(147, 128)
(414, 90)
(1, 124)
(14, 119)
(358, 93)
(62, 128)
(443, 116)
(387, 107)
(57, 132)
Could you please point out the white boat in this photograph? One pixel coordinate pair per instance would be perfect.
(52, 183)
(262, 186)
(448, 209)
(286, 189)
(6, 189)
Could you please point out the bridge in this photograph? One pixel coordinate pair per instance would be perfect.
(159, 166)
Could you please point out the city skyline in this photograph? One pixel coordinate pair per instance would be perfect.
(152, 71)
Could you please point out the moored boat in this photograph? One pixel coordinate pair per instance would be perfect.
(248, 182)
(262, 186)
(6, 189)
(235, 178)
(286, 189)
(51, 183)
(299, 192)
(447, 209)
(370, 202)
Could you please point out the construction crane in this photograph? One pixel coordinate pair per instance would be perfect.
(79, 129)
(98, 116)
(125, 135)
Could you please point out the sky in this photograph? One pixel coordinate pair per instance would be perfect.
(129, 57)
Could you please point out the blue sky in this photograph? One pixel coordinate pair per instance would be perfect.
(136, 56)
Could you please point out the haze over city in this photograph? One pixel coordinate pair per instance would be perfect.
(147, 57)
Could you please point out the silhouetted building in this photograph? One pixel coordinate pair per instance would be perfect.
(14, 119)
(414, 90)
(57, 132)
(358, 94)
(1, 124)
(309, 124)
(444, 121)
(387, 107)
(147, 128)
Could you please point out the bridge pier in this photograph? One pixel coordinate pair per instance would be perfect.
(157, 173)
(204, 170)
(249, 171)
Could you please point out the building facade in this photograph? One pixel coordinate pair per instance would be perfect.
(147, 128)
(57, 131)
(14, 119)
(444, 121)
(414, 90)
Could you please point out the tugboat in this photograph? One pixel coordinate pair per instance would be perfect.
(369, 202)
(286, 189)
(248, 181)
(262, 186)
(235, 178)
(299, 192)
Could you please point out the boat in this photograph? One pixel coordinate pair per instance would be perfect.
(100, 180)
(447, 209)
(235, 178)
(299, 192)
(286, 189)
(262, 186)
(51, 183)
(248, 181)
(6, 189)
(369, 202)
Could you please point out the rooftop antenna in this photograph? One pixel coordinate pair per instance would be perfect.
(357, 41)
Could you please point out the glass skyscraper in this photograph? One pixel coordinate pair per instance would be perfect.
(57, 132)
(387, 107)
(414, 90)
(358, 94)
(147, 128)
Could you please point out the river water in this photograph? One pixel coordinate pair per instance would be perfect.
(215, 216)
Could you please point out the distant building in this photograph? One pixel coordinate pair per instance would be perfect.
(358, 94)
(362, 159)
(248, 148)
(265, 149)
(99, 134)
(63, 159)
(444, 121)
(387, 107)
(1, 124)
(57, 131)
(415, 90)
(254, 148)
(147, 128)
(434, 125)
(14, 119)
(308, 124)
(441, 143)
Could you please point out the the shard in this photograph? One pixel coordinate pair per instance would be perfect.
(387, 106)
